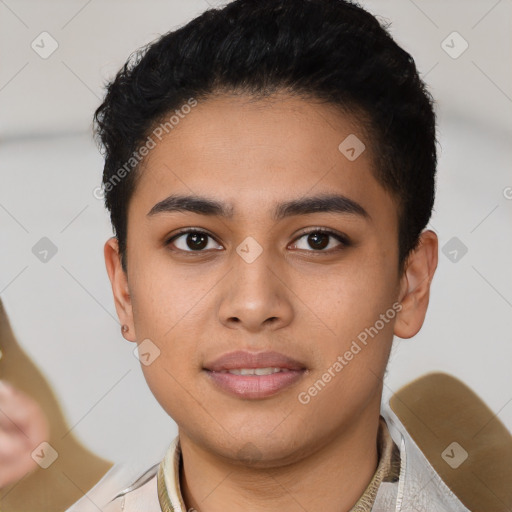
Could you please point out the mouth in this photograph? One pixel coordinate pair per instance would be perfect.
(254, 376)
(267, 382)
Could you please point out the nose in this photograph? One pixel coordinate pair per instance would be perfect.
(256, 296)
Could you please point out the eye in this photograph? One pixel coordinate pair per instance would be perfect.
(193, 240)
(320, 239)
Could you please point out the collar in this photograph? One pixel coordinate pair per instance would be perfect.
(388, 470)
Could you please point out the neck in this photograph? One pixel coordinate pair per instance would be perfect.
(332, 478)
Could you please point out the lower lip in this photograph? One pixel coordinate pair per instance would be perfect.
(255, 386)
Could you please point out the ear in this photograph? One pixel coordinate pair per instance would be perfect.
(415, 286)
(120, 289)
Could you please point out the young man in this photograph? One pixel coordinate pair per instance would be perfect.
(269, 171)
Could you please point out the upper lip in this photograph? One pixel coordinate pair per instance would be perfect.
(244, 359)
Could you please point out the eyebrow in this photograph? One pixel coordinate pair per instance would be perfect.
(331, 203)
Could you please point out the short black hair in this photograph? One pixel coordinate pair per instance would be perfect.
(333, 51)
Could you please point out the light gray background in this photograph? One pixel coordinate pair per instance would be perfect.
(62, 311)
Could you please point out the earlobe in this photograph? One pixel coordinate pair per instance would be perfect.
(415, 286)
(120, 289)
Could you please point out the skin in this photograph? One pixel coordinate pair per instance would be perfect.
(305, 302)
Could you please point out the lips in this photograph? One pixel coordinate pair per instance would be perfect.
(243, 359)
(255, 376)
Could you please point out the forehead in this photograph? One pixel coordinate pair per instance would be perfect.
(250, 153)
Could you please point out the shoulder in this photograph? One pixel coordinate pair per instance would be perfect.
(122, 488)
(141, 495)
(422, 484)
(129, 487)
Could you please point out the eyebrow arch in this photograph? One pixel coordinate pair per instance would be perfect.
(205, 206)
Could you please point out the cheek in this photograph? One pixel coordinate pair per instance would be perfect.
(357, 318)
(169, 386)
(352, 298)
(164, 296)
(356, 334)
(175, 338)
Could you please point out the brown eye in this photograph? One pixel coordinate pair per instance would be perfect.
(319, 240)
(193, 241)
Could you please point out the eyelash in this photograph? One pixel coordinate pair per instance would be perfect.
(344, 241)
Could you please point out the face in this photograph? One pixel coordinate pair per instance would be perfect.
(289, 246)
